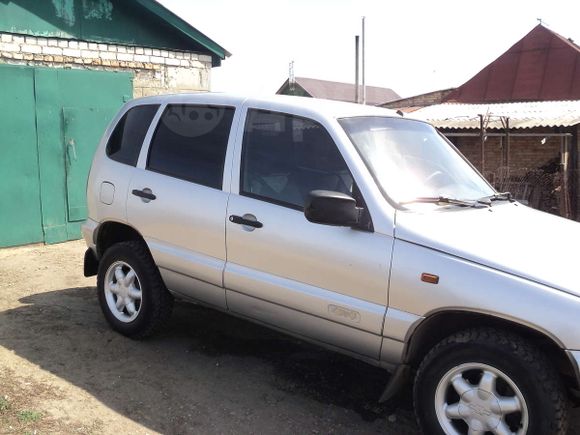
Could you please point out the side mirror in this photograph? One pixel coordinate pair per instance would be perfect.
(331, 208)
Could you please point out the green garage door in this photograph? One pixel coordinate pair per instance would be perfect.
(20, 212)
(81, 127)
(51, 123)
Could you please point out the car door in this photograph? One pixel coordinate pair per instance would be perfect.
(176, 200)
(318, 281)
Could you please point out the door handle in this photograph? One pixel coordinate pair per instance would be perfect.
(145, 194)
(243, 221)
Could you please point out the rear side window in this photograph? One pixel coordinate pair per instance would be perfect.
(285, 157)
(190, 143)
(127, 137)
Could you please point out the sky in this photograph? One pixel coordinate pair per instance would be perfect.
(412, 46)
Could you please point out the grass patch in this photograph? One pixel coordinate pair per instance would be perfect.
(4, 404)
(29, 416)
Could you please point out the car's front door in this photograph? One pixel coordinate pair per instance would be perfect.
(176, 200)
(318, 281)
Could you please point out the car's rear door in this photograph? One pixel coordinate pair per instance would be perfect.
(322, 282)
(176, 198)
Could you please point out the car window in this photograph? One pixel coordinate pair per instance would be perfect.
(190, 143)
(285, 157)
(125, 142)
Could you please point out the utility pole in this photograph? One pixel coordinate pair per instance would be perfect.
(291, 79)
(364, 88)
(356, 64)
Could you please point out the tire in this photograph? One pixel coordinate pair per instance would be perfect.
(144, 304)
(526, 397)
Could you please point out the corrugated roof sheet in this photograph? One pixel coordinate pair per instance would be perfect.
(521, 115)
(342, 91)
(542, 66)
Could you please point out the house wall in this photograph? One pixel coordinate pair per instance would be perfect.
(155, 71)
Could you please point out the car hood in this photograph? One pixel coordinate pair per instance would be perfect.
(507, 236)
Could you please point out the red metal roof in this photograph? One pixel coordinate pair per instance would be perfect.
(541, 66)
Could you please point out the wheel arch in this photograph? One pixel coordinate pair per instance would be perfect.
(110, 232)
(440, 325)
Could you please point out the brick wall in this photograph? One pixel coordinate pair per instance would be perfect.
(156, 71)
(525, 152)
(577, 172)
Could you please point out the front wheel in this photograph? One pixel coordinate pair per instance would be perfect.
(486, 381)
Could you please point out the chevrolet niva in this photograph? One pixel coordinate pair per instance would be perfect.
(348, 226)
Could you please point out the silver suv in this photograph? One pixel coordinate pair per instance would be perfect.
(348, 226)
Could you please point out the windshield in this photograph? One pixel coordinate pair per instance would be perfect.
(410, 160)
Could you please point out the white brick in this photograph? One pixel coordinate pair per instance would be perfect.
(142, 58)
(71, 52)
(138, 50)
(4, 46)
(173, 62)
(185, 63)
(193, 56)
(43, 42)
(31, 40)
(131, 50)
(121, 49)
(5, 37)
(54, 51)
(171, 55)
(197, 64)
(113, 48)
(53, 43)
(147, 51)
(182, 78)
(204, 58)
(83, 45)
(164, 53)
(73, 44)
(18, 39)
(17, 56)
(31, 49)
(92, 54)
(156, 52)
(179, 55)
(107, 55)
(93, 46)
(103, 47)
(62, 43)
(157, 59)
(125, 57)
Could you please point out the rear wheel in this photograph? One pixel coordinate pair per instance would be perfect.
(486, 381)
(131, 292)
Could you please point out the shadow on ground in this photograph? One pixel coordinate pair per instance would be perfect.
(207, 372)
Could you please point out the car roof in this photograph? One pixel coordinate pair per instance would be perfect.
(330, 108)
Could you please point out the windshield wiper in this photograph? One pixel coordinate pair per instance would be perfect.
(503, 196)
(445, 200)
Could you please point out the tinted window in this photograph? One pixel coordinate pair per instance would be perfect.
(190, 143)
(127, 137)
(285, 157)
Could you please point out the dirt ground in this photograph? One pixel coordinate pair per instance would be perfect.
(62, 370)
